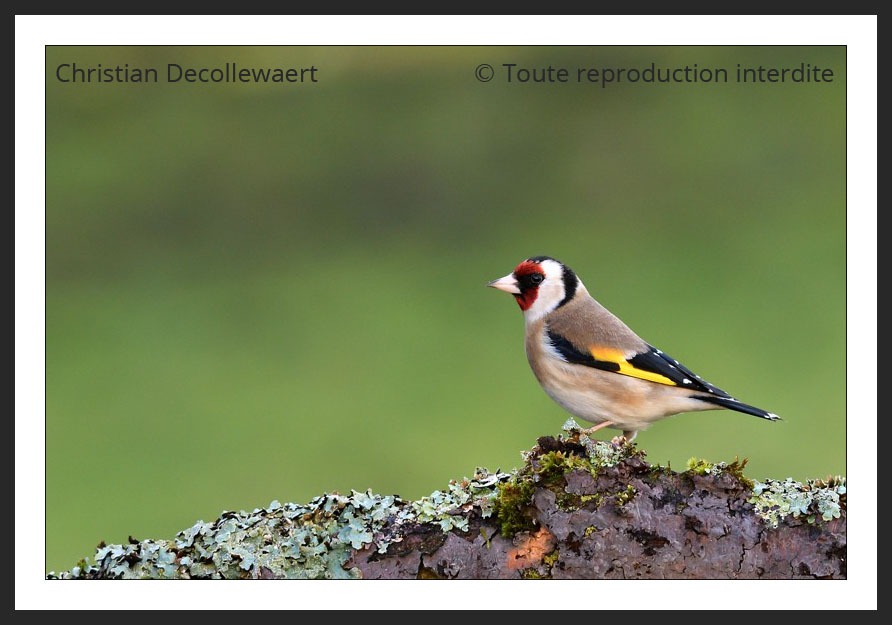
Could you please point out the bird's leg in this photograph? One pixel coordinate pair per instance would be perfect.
(627, 437)
(600, 426)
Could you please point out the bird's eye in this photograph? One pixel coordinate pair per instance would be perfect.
(536, 278)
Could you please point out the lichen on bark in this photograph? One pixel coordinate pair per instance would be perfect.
(576, 508)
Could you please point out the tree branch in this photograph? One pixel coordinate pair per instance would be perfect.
(576, 509)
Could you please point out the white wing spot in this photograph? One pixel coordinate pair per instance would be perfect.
(686, 381)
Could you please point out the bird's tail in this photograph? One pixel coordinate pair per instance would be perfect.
(732, 404)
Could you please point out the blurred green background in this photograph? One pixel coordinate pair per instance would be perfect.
(261, 292)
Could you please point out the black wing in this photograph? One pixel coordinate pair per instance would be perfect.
(663, 364)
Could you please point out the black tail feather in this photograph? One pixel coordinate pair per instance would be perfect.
(733, 404)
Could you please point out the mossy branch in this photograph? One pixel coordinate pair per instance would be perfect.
(576, 509)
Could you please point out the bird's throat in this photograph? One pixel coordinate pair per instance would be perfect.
(526, 298)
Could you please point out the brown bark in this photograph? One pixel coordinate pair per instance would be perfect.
(675, 525)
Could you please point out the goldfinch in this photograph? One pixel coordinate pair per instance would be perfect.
(593, 365)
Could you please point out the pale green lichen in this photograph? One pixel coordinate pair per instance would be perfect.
(447, 508)
(775, 500)
(601, 454)
(312, 541)
(316, 540)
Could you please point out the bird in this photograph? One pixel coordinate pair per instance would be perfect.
(593, 365)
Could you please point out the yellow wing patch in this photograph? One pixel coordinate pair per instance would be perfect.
(618, 357)
(608, 354)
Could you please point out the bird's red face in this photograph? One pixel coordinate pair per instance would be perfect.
(529, 275)
(540, 285)
(523, 283)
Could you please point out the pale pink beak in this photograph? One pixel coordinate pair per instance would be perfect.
(507, 284)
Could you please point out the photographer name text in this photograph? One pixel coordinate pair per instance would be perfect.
(176, 73)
